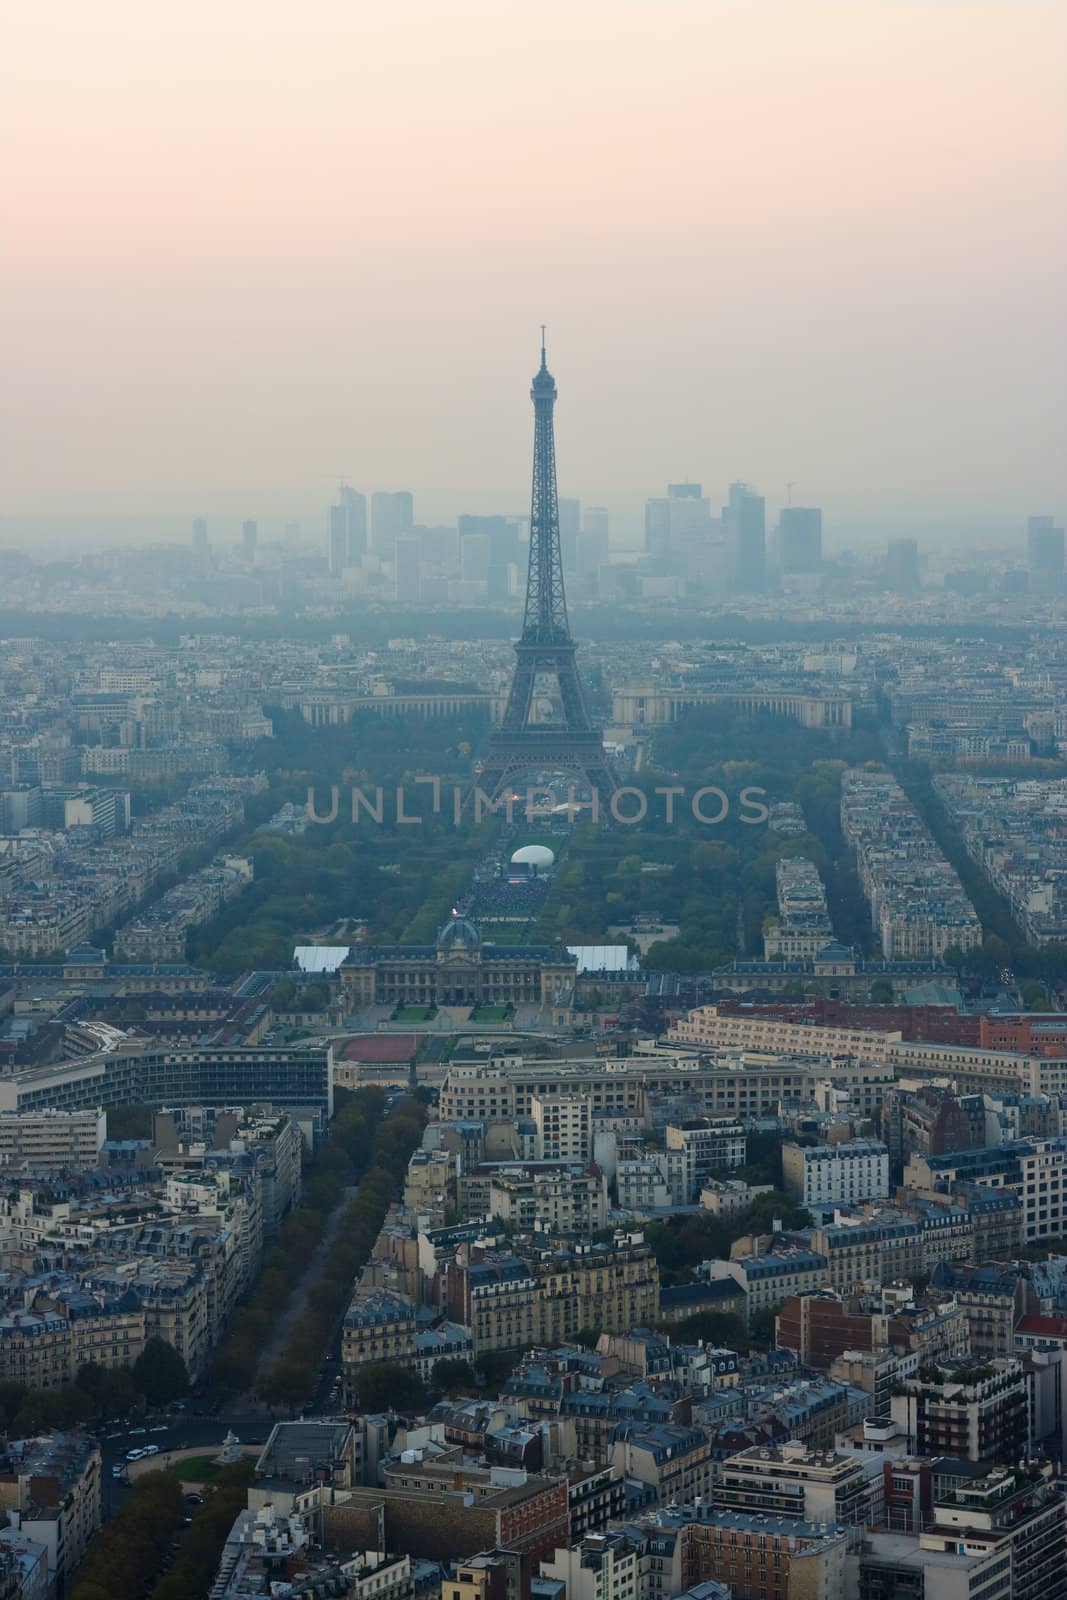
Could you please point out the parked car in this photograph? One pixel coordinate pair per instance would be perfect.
(150, 1450)
(134, 1455)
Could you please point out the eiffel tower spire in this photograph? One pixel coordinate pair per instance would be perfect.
(524, 746)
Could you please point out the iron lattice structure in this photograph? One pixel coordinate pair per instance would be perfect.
(545, 647)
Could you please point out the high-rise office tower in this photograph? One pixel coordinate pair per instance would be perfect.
(407, 568)
(658, 530)
(691, 529)
(355, 509)
(902, 566)
(800, 539)
(489, 562)
(249, 539)
(391, 516)
(200, 545)
(348, 530)
(1044, 554)
(744, 520)
(594, 544)
(570, 517)
(338, 541)
(475, 555)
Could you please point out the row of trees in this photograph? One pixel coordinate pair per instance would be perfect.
(157, 1377)
(198, 1556)
(292, 1377)
(327, 1174)
(125, 1558)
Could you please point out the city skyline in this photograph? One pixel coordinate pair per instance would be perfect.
(796, 249)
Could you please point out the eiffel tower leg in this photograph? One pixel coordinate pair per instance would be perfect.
(575, 714)
(520, 696)
(490, 781)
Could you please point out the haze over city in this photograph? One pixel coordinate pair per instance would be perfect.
(251, 248)
(533, 800)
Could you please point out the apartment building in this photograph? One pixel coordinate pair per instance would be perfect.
(612, 1287)
(842, 1174)
(976, 1412)
(550, 1288)
(790, 1480)
(992, 1297)
(563, 1199)
(174, 1294)
(767, 1280)
(917, 903)
(781, 1557)
(378, 1326)
(673, 1460)
(869, 1250)
(997, 1536)
(44, 1347)
(564, 1127)
(52, 1138)
(496, 1296)
(802, 927)
(50, 1489)
(603, 1566)
(1035, 1169)
(704, 1145)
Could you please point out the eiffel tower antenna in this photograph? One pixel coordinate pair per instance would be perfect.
(523, 746)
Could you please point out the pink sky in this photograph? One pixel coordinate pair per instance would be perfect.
(249, 245)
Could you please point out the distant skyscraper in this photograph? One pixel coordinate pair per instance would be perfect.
(391, 515)
(691, 530)
(744, 520)
(355, 507)
(902, 566)
(595, 541)
(570, 517)
(1044, 554)
(338, 540)
(407, 568)
(348, 530)
(800, 538)
(200, 536)
(658, 530)
(249, 539)
(475, 553)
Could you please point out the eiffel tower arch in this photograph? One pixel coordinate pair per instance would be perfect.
(525, 745)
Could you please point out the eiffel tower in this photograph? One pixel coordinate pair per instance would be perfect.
(523, 745)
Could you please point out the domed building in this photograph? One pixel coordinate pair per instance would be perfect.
(459, 970)
(458, 934)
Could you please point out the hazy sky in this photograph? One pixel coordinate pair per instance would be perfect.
(249, 245)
